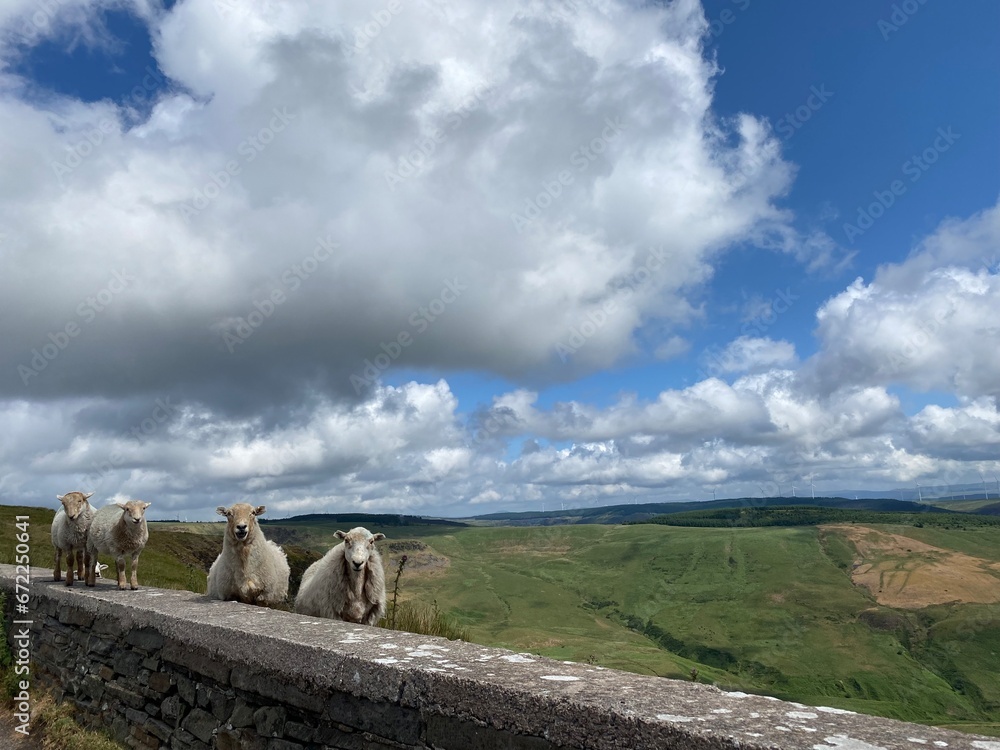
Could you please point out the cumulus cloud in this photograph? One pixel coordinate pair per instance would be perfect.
(206, 285)
(928, 322)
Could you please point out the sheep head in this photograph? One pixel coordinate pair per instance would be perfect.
(359, 543)
(133, 512)
(242, 520)
(74, 503)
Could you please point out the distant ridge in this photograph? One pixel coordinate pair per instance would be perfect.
(617, 514)
(374, 519)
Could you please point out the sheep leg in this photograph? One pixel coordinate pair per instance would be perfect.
(80, 566)
(135, 565)
(120, 568)
(86, 567)
(57, 572)
(91, 564)
(70, 566)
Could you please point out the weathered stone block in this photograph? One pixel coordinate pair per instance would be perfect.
(173, 710)
(242, 715)
(444, 731)
(146, 638)
(201, 724)
(195, 660)
(384, 719)
(278, 744)
(126, 663)
(126, 696)
(75, 616)
(100, 646)
(270, 721)
(160, 682)
(186, 689)
(251, 681)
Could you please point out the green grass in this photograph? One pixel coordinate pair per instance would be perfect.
(768, 610)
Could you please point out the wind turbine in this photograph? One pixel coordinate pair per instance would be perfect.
(714, 497)
(793, 490)
(761, 491)
(920, 497)
(812, 486)
(984, 485)
(998, 485)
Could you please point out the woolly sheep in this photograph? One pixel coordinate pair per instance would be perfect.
(69, 534)
(250, 569)
(348, 583)
(118, 530)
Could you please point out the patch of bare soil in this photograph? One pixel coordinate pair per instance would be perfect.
(909, 574)
(11, 739)
(420, 559)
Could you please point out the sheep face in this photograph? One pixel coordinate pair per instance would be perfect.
(74, 503)
(134, 511)
(242, 520)
(358, 546)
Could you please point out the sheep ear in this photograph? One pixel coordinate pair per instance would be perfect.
(259, 510)
(222, 510)
(378, 537)
(123, 506)
(87, 495)
(146, 505)
(340, 534)
(61, 498)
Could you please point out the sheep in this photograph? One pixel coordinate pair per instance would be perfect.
(118, 529)
(69, 534)
(250, 568)
(348, 583)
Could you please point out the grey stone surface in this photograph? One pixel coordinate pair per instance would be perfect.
(366, 687)
(201, 724)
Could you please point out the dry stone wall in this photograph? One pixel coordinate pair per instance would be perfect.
(176, 670)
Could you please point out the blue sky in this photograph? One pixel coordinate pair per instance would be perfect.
(203, 149)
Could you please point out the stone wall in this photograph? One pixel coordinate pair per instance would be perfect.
(174, 669)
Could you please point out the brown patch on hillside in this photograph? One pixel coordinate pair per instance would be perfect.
(421, 560)
(909, 574)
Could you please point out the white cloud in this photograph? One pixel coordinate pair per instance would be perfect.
(927, 323)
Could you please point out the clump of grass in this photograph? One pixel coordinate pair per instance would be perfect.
(424, 619)
(417, 617)
(59, 731)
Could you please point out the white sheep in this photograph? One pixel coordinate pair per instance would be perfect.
(347, 583)
(118, 530)
(69, 534)
(250, 569)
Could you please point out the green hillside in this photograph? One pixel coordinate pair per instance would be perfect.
(769, 609)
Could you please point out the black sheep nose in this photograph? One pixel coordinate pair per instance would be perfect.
(241, 529)
(357, 566)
